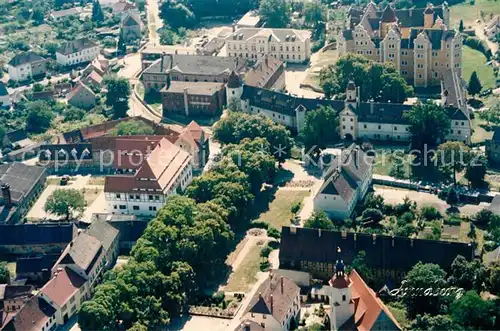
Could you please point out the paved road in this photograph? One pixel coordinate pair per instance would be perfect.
(154, 21)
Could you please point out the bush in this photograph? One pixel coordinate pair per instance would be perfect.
(259, 225)
(430, 213)
(296, 207)
(218, 297)
(372, 214)
(452, 220)
(273, 232)
(483, 217)
(266, 251)
(478, 45)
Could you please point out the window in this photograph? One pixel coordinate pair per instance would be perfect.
(395, 128)
(150, 197)
(379, 127)
(135, 207)
(118, 196)
(152, 208)
(344, 298)
(123, 207)
(364, 126)
(352, 120)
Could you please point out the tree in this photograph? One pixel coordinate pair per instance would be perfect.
(314, 12)
(65, 202)
(38, 16)
(465, 274)
(122, 45)
(177, 15)
(359, 264)
(433, 323)
(494, 279)
(319, 221)
(39, 116)
(472, 311)
(4, 273)
(461, 26)
(131, 128)
(167, 37)
(430, 213)
(276, 13)
(320, 129)
(476, 171)
(117, 95)
(374, 215)
(407, 230)
(97, 13)
(424, 276)
(429, 124)
(474, 87)
(394, 88)
(491, 115)
(374, 201)
(484, 217)
(453, 156)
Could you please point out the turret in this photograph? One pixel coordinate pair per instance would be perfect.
(352, 93)
(429, 16)
(234, 90)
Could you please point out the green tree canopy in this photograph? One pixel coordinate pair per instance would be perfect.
(474, 87)
(319, 221)
(4, 273)
(320, 129)
(97, 13)
(276, 13)
(429, 124)
(475, 171)
(177, 15)
(132, 128)
(472, 311)
(453, 157)
(65, 202)
(39, 116)
(433, 323)
(314, 12)
(117, 95)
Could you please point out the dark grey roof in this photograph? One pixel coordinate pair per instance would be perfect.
(9, 291)
(496, 135)
(67, 12)
(81, 151)
(453, 89)
(197, 64)
(16, 135)
(21, 177)
(130, 231)
(385, 252)
(347, 34)
(24, 58)
(3, 90)
(103, 231)
(77, 45)
(435, 36)
(83, 251)
(36, 233)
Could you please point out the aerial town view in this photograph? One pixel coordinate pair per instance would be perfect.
(249, 165)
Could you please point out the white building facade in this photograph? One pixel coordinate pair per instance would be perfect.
(76, 52)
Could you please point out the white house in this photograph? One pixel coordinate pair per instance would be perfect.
(25, 66)
(142, 191)
(77, 51)
(346, 181)
(275, 305)
(289, 45)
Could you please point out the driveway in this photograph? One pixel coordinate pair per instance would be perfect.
(395, 196)
(154, 21)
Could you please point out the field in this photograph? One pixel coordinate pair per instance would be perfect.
(469, 14)
(246, 273)
(278, 213)
(473, 60)
(480, 134)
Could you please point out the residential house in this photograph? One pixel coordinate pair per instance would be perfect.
(20, 185)
(93, 80)
(346, 182)
(386, 256)
(267, 73)
(17, 139)
(25, 66)
(100, 65)
(493, 28)
(13, 297)
(4, 96)
(74, 12)
(289, 45)
(493, 148)
(417, 41)
(275, 305)
(77, 51)
(35, 238)
(109, 238)
(195, 141)
(122, 6)
(82, 96)
(129, 228)
(190, 68)
(35, 315)
(131, 26)
(193, 99)
(166, 170)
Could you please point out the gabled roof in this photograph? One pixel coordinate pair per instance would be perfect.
(32, 316)
(388, 15)
(28, 57)
(80, 88)
(63, 286)
(83, 251)
(131, 18)
(66, 12)
(277, 35)
(36, 263)
(76, 46)
(104, 232)
(274, 297)
(22, 178)
(263, 73)
(10, 292)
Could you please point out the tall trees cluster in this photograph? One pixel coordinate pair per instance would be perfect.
(378, 81)
(184, 248)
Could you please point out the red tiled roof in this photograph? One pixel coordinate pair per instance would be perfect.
(32, 316)
(63, 286)
(340, 282)
(368, 305)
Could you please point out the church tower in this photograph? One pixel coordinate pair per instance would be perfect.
(352, 94)
(340, 295)
(234, 90)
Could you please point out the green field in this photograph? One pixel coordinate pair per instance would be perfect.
(469, 14)
(279, 213)
(473, 60)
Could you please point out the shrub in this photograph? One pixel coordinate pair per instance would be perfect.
(266, 251)
(452, 220)
(430, 213)
(483, 217)
(273, 232)
(218, 297)
(372, 214)
(296, 207)
(478, 45)
(259, 225)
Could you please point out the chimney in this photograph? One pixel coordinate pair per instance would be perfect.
(281, 282)
(234, 27)
(186, 102)
(272, 304)
(260, 295)
(7, 198)
(319, 233)
(162, 65)
(372, 106)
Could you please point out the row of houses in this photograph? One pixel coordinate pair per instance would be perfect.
(62, 265)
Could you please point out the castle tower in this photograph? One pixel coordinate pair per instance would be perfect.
(340, 295)
(429, 16)
(352, 94)
(234, 90)
(446, 13)
(387, 20)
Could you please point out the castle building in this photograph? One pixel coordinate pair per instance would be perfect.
(417, 41)
(358, 120)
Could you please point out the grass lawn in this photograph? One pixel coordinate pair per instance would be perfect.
(480, 134)
(386, 158)
(398, 311)
(320, 60)
(473, 60)
(246, 274)
(278, 213)
(469, 14)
